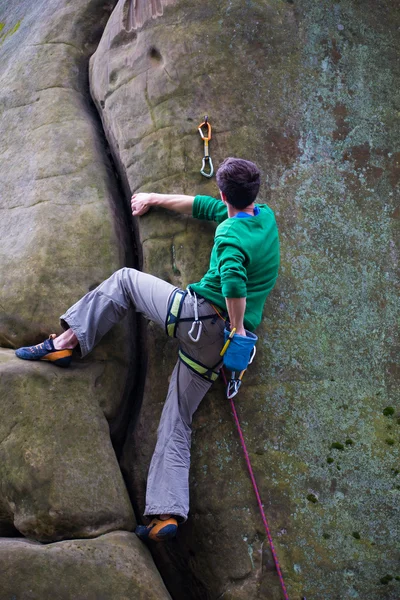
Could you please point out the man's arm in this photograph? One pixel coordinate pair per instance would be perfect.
(236, 308)
(142, 202)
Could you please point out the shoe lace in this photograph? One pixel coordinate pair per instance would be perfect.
(38, 347)
(52, 336)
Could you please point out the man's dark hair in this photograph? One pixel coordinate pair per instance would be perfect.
(239, 180)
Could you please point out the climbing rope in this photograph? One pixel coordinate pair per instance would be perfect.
(206, 137)
(257, 493)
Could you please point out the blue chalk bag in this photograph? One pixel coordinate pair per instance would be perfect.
(238, 349)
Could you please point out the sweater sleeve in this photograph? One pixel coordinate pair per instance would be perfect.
(209, 209)
(232, 269)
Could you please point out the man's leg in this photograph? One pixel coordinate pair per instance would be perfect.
(66, 341)
(94, 314)
(168, 479)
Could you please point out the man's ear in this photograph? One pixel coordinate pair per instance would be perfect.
(223, 196)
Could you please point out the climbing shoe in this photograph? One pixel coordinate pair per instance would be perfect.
(157, 530)
(46, 351)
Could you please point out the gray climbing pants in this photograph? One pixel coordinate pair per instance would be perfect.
(94, 314)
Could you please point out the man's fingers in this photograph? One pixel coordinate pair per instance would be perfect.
(137, 211)
(140, 203)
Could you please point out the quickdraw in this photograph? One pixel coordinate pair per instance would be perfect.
(206, 138)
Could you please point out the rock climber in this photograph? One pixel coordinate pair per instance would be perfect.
(243, 269)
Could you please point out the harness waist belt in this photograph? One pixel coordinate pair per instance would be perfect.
(222, 311)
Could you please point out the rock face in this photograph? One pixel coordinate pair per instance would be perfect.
(112, 566)
(305, 90)
(60, 477)
(62, 231)
(308, 91)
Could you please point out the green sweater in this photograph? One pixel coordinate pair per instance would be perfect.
(244, 259)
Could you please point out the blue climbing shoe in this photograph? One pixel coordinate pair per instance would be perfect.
(157, 530)
(46, 351)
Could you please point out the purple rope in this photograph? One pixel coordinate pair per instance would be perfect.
(253, 481)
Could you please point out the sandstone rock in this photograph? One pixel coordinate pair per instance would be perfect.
(63, 230)
(60, 226)
(60, 477)
(284, 85)
(116, 566)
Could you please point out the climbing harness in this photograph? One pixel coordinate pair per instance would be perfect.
(174, 318)
(196, 366)
(174, 312)
(206, 138)
(255, 487)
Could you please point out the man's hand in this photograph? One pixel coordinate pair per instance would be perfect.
(241, 331)
(140, 203)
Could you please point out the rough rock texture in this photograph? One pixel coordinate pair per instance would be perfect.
(58, 471)
(114, 566)
(309, 91)
(62, 228)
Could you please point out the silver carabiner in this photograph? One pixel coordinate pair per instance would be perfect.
(196, 321)
(233, 388)
(199, 330)
(253, 353)
(203, 166)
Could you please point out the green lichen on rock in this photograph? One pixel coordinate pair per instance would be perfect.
(10, 32)
(386, 579)
(312, 498)
(388, 411)
(337, 446)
